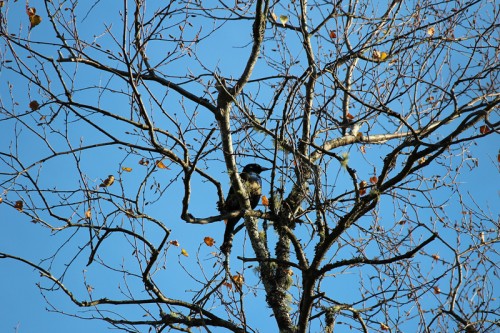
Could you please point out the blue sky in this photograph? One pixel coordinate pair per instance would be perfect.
(23, 309)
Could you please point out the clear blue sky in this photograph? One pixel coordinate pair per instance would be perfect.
(22, 307)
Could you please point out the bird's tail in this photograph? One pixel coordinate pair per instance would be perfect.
(228, 235)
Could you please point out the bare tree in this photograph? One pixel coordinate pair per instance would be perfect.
(120, 120)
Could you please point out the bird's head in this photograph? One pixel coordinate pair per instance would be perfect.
(254, 167)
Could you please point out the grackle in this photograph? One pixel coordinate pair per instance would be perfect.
(253, 184)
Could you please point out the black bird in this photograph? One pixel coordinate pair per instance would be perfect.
(253, 185)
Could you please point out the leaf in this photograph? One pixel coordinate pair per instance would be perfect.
(174, 242)
(1, 200)
(363, 149)
(161, 165)
(19, 205)
(228, 285)
(209, 241)
(35, 20)
(88, 214)
(362, 187)
(129, 212)
(283, 19)
(108, 181)
(384, 327)
(30, 11)
(422, 160)
(144, 162)
(274, 16)
(34, 105)
(332, 34)
(484, 129)
(436, 290)
(431, 31)
(381, 56)
(184, 253)
(374, 180)
(265, 201)
(238, 279)
(126, 169)
(349, 116)
(435, 257)
(90, 289)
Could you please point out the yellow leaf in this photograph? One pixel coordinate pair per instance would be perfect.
(184, 253)
(161, 165)
(381, 56)
(283, 19)
(35, 20)
(19, 205)
(431, 31)
(265, 201)
(127, 169)
(209, 241)
(274, 16)
(108, 181)
(238, 279)
(88, 214)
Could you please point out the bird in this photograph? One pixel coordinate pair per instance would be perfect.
(250, 177)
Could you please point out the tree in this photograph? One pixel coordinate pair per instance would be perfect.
(142, 115)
